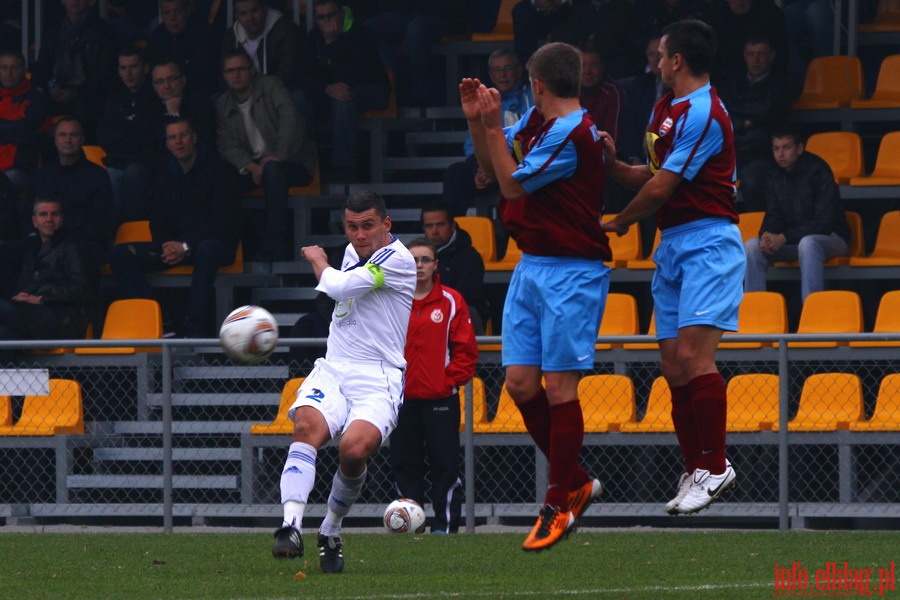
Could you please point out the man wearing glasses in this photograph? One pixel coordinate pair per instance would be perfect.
(182, 100)
(342, 77)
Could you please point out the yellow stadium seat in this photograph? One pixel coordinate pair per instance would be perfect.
(481, 230)
(5, 411)
(651, 330)
(503, 30)
(749, 224)
(313, 188)
(887, 408)
(130, 319)
(887, 244)
(60, 411)
(644, 263)
(760, 313)
(281, 424)
(752, 403)
(95, 154)
(626, 247)
(828, 402)
(607, 402)
(831, 82)
(842, 150)
(887, 18)
(510, 259)
(390, 111)
(887, 87)
(478, 403)
(830, 311)
(620, 317)
(658, 417)
(887, 164)
(508, 419)
(887, 320)
(856, 245)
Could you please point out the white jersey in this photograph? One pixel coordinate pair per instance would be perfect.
(373, 301)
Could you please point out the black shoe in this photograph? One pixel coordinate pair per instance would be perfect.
(331, 556)
(288, 543)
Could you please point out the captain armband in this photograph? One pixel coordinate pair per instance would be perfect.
(377, 274)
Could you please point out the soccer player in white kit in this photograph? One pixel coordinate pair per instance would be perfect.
(357, 389)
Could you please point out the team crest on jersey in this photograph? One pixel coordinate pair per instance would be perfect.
(665, 127)
(595, 133)
(342, 309)
(437, 315)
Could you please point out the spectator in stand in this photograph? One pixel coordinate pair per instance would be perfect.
(440, 358)
(804, 217)
(810, 27)
(736, 21)
(263, 136)
(56, 286)
(465, 180)
(83, 188)
(418, 23)
(129, 134)
(268, 37)
(77, 65)
(342, 78)
(195, 222)
(757, 99)
(459, 264)
(600, 94)
(642, 92)
(23, 114)
(184, 38)
(180, 98)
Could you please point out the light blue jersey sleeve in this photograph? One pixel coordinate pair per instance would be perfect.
(552, 157)
(698, 137)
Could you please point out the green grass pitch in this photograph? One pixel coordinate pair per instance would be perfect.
(590, 564)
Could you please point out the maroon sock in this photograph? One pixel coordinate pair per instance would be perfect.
(685, 427)
(566, 437)
(710, 406)
(536, 415)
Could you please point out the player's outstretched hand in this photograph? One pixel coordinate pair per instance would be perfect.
(609, 147)
(491, 107)
(468, 96)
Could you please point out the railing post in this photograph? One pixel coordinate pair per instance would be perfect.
(168, 492)
(783, 517)
(469, 460)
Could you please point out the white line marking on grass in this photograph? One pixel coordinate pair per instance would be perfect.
(523, 593)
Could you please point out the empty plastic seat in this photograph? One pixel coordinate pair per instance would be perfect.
(658, 416)
(749, 224)
(481, 230)
(95, 154)
(752, 402)
(887, 87)
(626, 247)
(388, 112)
(58, 412)
(887, 164)
(130, 319)
(887, 244)
(831, 82)
(5, 411)
(828, 402)
(887, 18)
(761, 313)
(620, 317)
(887, 320)
(607, 402)
(830, 311)
(887, 408)
(281, 424)
(507, 419)
(503, 29)
(510, 259)
(644, 263)
(651, 330)
(842, 150)
(478, 403)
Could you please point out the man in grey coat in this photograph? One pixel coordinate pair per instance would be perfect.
(260, 132)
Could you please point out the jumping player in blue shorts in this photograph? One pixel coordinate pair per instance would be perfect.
(690, 182)
(549, 167)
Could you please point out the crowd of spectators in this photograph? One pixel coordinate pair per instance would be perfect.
(254, 93)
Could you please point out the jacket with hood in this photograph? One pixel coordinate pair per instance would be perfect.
(278, 50)
(461, 267)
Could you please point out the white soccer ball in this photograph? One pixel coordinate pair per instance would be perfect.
(404, 516)
(249, 335)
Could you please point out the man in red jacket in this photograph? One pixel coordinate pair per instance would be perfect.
(441, 355)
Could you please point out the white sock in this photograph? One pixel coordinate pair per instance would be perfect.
(297, 481)
(344, 492)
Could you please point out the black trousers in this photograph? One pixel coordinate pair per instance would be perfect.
(428, 432)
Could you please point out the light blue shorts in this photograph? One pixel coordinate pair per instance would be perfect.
(699, 277)
(552, 312)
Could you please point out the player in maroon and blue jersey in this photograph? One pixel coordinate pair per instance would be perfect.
(550, 169)
(689, 182)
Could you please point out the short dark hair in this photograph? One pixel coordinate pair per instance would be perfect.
(422, 242)
(236, 52)
(168, 60)
(558, 66)
(68, 119)
(363, 200)
(436, 206)
(173, 120)
(131, 50)
(695, 41)
(13, 54)
(46, 198)
(788, 131)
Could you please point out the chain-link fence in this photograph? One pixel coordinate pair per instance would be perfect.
(182, 432)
